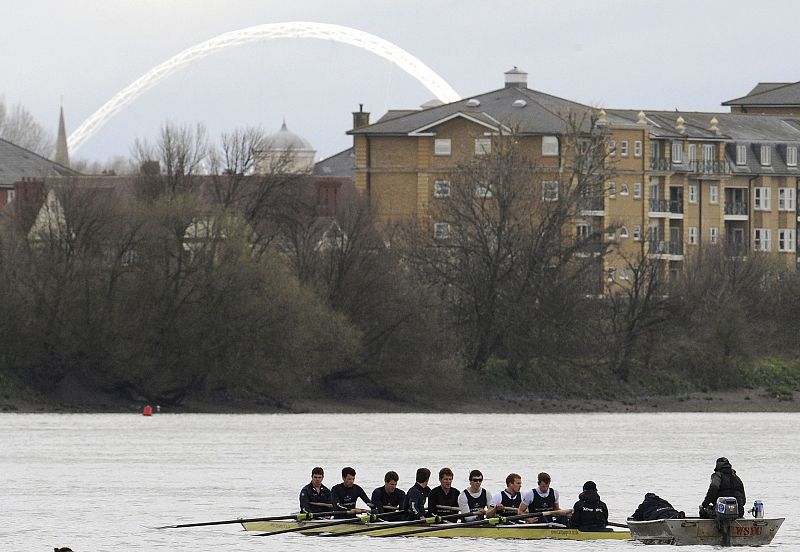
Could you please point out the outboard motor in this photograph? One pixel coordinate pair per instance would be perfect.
(726, 510)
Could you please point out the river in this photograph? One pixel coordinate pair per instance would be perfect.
(99, 482)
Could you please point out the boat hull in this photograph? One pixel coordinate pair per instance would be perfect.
(691, 531)
(511, 531)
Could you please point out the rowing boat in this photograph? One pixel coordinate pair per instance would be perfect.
(689, 531)
(525, 531)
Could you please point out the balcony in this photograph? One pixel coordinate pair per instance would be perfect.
(736, 210)
(658, 164)
(665, 249)
(591, 206)
(666, 207)
(709, 168)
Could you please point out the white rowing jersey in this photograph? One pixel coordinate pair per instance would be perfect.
(527, 496)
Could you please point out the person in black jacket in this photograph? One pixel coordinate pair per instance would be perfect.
(655, 507)
(388, 498)
(443, 499)
(314, 495)
(345, 494)
(414, 504)
(589, 513)
(724, 482)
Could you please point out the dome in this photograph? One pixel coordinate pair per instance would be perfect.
(285, 139)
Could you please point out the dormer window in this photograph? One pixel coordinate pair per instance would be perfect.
(791, 156)
(766, 158)
(741, 154)
(549, 145)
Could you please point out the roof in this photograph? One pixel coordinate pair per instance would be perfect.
(770, 93)
(17, 162)
(285, 139)
(341, 165)
(540, 113)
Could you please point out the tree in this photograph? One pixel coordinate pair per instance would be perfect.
(182, 153)
(18, 126)
(506, 244)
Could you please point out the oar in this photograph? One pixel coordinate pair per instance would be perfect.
(488, 521)
(623, 525)
(380, 527)
(298, 517)
(359, 519)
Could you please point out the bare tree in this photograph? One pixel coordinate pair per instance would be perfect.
(182, 153)
(18, 126)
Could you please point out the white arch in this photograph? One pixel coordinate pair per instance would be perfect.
(296, 29)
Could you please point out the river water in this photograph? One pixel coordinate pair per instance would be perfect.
(97, 482)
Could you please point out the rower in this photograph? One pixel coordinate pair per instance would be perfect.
(443, 499)
(315, 497)
(388, 497)
(345, 494)
(541, 498)
(416, 496)
(474, 498)
(508, 500)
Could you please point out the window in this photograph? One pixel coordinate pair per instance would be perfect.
(786, 239)
(483, 146)
(637, 148)
(713, 194)
(623, 148)
(637, 232)
(714, 234)
(786, 201)
(623, 232)
(483, 190)
(549, 145)
(612, 148)
(441, 231)
(623, 189)
(692, 193)
(583, 230)
(766, 157)
(761, 199)
(441, 146)
(550, 191)
(762, 239)
(741, 154)
(708, 152)
(11, 195)
(612, 190)
(692, 235)
(677, 152)
(637, 190)
(692, 151)
(791, 156)
(441, 188)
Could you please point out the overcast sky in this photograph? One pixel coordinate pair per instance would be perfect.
(686, 54)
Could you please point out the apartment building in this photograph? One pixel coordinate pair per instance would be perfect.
(681, 179)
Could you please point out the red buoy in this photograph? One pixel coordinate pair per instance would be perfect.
(148, 410)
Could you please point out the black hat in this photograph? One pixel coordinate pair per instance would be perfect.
(590, 486)
(723, 460)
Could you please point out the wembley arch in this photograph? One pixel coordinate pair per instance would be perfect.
(296, 29)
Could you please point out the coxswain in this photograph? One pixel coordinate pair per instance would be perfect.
(474, 498)
(724, 482)
(507, 501)
(541, 498)
(315, 497)
(443, 499)
(388, 498)
(414, 504)
(589, 513)
(344, 495)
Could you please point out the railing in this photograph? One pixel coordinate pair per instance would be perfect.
(591, 204)
(658, 164)
(662, 247)
(666, 206)
(709, 167)
(736, 208)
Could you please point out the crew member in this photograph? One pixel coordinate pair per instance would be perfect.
(443, 500)
(345, 494)
(315, 497)
(414, 504)
(388, 498)
(589, 513)
(724, 482)
(508, 500)
(474, 498)
(541, 498)
(655, 507)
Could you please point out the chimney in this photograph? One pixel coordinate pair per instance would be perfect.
(360, 118)
(516, 78)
